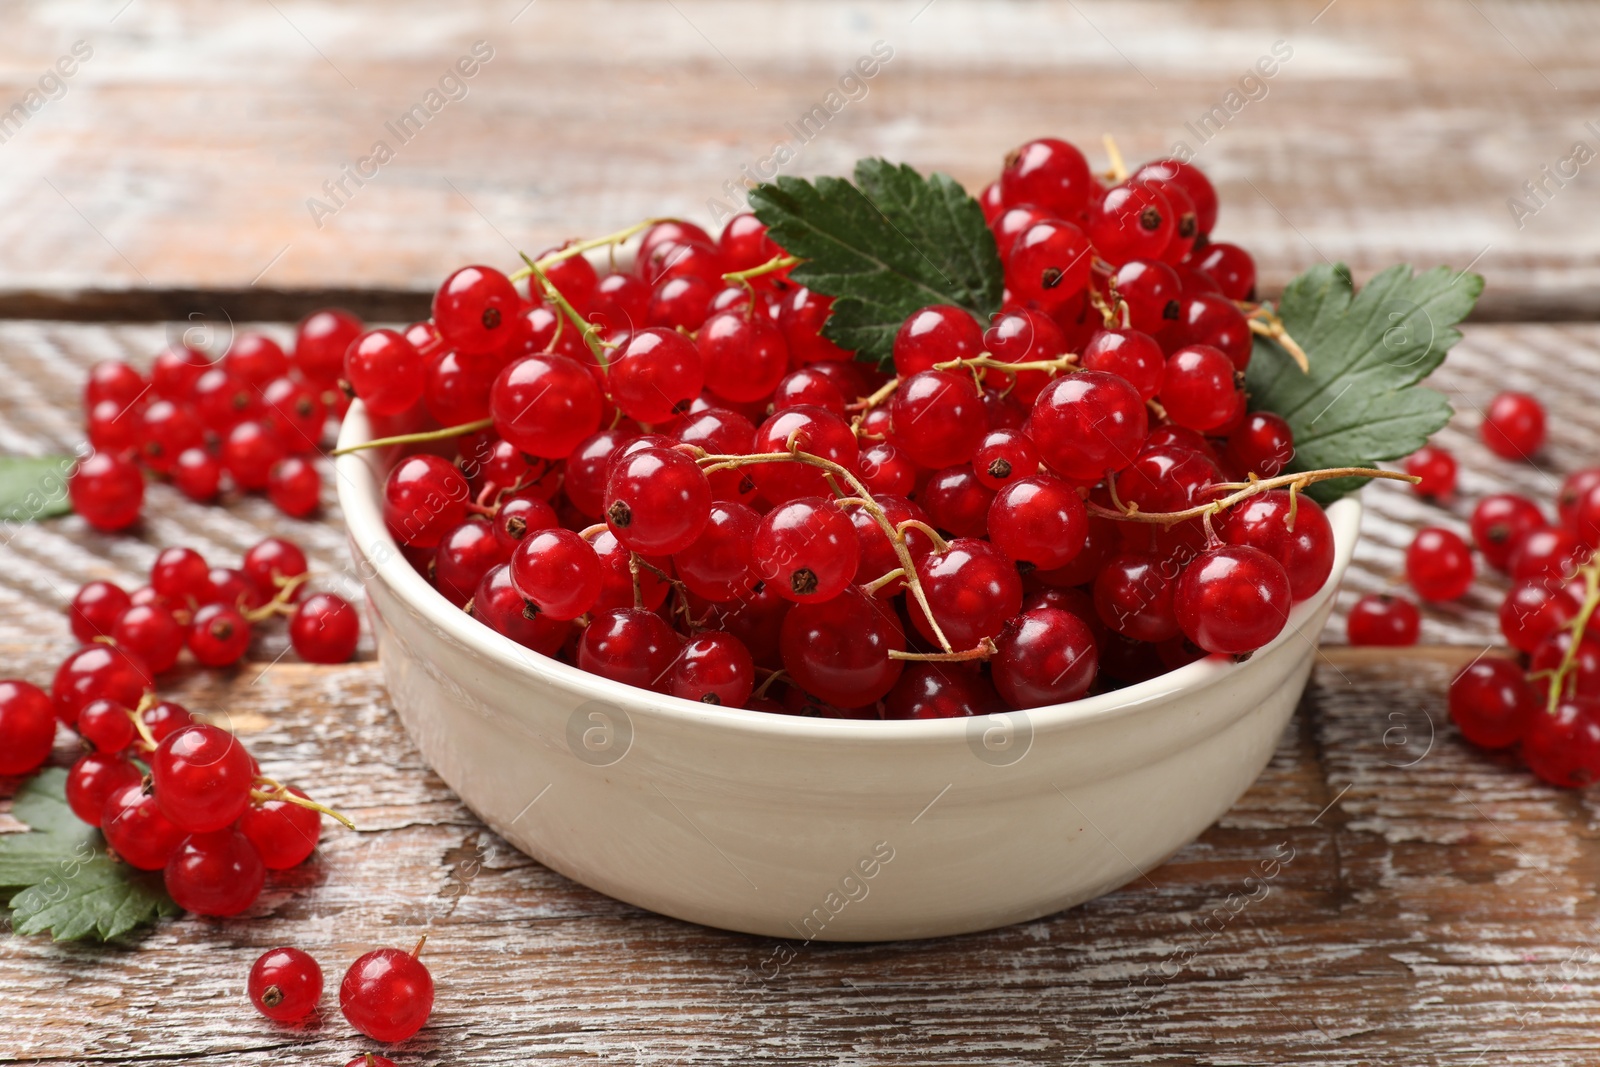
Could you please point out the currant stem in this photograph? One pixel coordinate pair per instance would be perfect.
(423, 940)
(590, 333)
(1569, 660)
(1119, 169)
(279, 604)
(578, 248)
(1243, 491)
(137, 715)
(459, 430)
(984, 650)
(878, 583)
(940, 545)
(1265, 322)
(276, 791)
(986, 362)
(761, 690)
(771, 266)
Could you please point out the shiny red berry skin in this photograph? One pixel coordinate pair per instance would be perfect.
(166, 428)
(1048, 264)
(972, 590)
(617, 576)
(801, 317)
(112, 427)
(1192, 180)
(935, 334)
(1002, 457)
(1305, 551)
(573, 276)
(255, 359)
(284, 834)
(1262, 445)
(1133, 596)
(249, 452)
(1574, 489)
(1514, 426)
(180, 575)
(722, 432)
(1549, 552)
(807, 386)
(27, 727)
(1129, 354)
(97, 672)
(1378, 619)
(887, 470)
(713, 668)
(387, 995)
(423, 499)
(742, 357)
(221, 400)
(320, 344)
(216, 873)
(629, 645)
(219, 636)
(1211, 319)
(1134, 220)
(1564, 748)
(269, 560)
(1231, 267)
(1583, 676)
(466, 553)
(294, 485)
(1199, 391)
(838, 649)
(1533, 610)
(136, 830)
(806, 548)
(717, 564)
(107, 490)
(620, 302)
(1088, 424)
(1153, 293)
(680, 303)
(95, 609)
(545, 405)
(1039, 520)
(114, 381)
(285, 985)
(1044, 656)
(325, 629)
(1439, 564)
(386, 371)
(941, 691)
(745, 244)
(655, 375)
(106, 725)
(1023, 335)
(197, 474)
(956, 502)
(93, 778)
(166, 718)
(938, 418)
(1500, 523)
(150, 632)
(557, 571)
(203, 777)
(1232, 599)
(297, 412)
(474, 309)
(1436, 468)
(499, 606)
(1048, 173)
(657, 500)
(813, 430)
(175, 370)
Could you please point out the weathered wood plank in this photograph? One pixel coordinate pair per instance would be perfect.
(183, 153)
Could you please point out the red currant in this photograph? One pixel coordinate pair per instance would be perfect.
(285, 985)
(386, 371)
(294, 485)
(387, 994)
(1262, 445)
(743, 356)
(175, 370)
(558, 572)
(95, 610)
(1135, 220)
(27, 727)
(1133, 596)
(1044, 656)
(271, 561)
(544, 405)
(1200, 391)
(107, 490)
(1499, 525)
(1088, 424)
(249, 452)
(283, 833)
(93, 778)
(713, 668)
(657, 500)
(1049, 173)
(1436, 468)
(1039, 520)
(219, 636)
(1549, 552)
(838, 649)
(1048, 264)
(499, 606)
(806, 548)
(938, 418)
(1513, 427)
(972, 590)
(136, 830)
(114, 381)
(424, 498)
(150, 632)
(1153, 293)
(1533, 611)
(197, 474)
(1192, 180)
(1378, 619)
(203, 777)
(97, 672)
(1130, 355)
(474, 309)
(811, 430)
(1232, 599)
(1231, 267)
(320, 343)
(216, 873)
(1304, 548)
(935, 334)
(325, 629)
(221, 400)
(717, 564)
(1564, 748)
(629, 645)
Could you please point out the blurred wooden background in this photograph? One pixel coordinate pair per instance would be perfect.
(1441, 905)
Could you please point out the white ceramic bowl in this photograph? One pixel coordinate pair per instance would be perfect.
(813, 828)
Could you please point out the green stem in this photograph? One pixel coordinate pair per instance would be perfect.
(418, 438)
(1569, 661)
(578, 248)
(590, 334)
(771, 266)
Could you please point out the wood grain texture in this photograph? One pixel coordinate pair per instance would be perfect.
(182, 155)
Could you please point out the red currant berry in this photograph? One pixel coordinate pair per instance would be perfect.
(221, 401)
(1439, 564)
(1012, 222)
(112, 427)
(369, 1059)
(620, 302)
(1135, 220)
(106, 725)
(1574, 489)
(295, 487)
(1088, 424)
(887, 470)
(115, 381)
(1002, 457)
(175, 370)
(743, 356)
(1585, 522)
(320, 343)
(713, 668)
(150, 632)
(1304, 548)
(716, 565)
(586, 469)
(1191, 180)
(499, 606)
(655, 375)
(1166, 478)
(682, 303)
(1154, 295)
(466, 553)
(1513, 427)
(1211, 319)
(1262, 445)
(1049, 173)
(617, 576)
(216, 873)
(1378, 619)
(166, 428)
(107, 490)
(1133, 596)
(629, 645)
(219, 636)
(474, 309)
(972, 590)
(1436, 468)
(801, 317)
(806, 548)
(957, 502)
(325, 629)
(386, 371)
(745, 244)
(1044, 656)
(1200, 391)
(268, 563)
(180, 575)
(938, 418)
(249, 452)
(27, 727)
(1533, 611)
(255, 359)
(1564, 748)
(424, 498)
(387, 994)
(573, 277)
(838, 649)
(545, 405)
(283, 833)
(657, 500)
(197, 474)
(1039, 520)
(136, 830)
(1499, 525)
(285, 985)
(935, 334)
(1048, 264)
(558, 572)
(1550, 552)
(1185, 225)
(166, 718)
(93, 779)
(1130, 355)
(1023, 336)
(296, 412)
(203, 777)
(95, 610)
(811, 430)
(1231, 267)
(1583, 675)
(1232, 599)
(97, 672)
(722, 432)
(941, 691)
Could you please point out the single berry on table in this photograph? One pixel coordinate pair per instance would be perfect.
(325, 629)
(387, 994)
(285, 985)
(1380, 619)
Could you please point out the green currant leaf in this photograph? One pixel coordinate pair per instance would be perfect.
(34, 487)
(1361, 402)
(892, 242)
(60, 877)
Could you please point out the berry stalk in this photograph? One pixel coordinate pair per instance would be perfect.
(1244, 491)
(1569, 660)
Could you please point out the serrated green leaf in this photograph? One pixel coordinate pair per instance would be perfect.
(34, 487)
(891, 243)
(65, 882)
(1361, 402)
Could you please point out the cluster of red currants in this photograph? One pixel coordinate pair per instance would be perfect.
(1547, 700)
(669, 476)
(251, 417)
(168, 792)
(387, 994)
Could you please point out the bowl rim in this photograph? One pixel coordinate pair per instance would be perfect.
(359, 490)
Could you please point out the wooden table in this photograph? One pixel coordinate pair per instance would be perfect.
(1434, 904)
